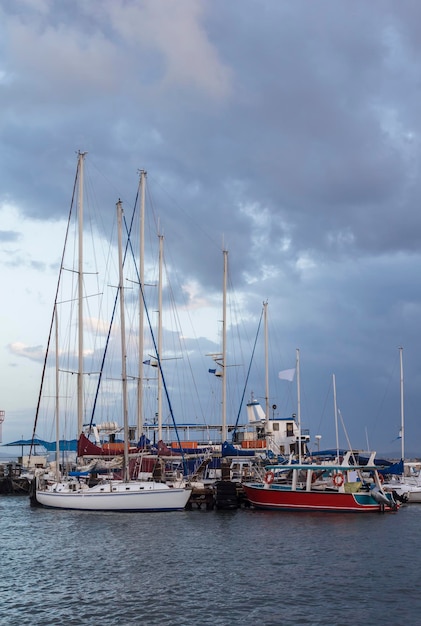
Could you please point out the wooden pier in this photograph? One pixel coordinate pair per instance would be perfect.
(222, 495)
(201, 498)
(12, 481)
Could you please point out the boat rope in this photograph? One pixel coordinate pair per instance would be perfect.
(53, 315)
(101, 369)
(159, 362)
(247, 378)
(128, 247)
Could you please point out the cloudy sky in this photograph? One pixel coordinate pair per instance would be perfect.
(287, 132)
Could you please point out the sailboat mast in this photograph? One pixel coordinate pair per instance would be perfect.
(265, 312)
(161, 243)
(57, 407)
(402, 408)
(298, 403)
(335, 407)
(224, 350)
(123, 340)
(141, 303)
(81, 158)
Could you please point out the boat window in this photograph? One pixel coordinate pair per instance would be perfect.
(275, 426)
(290, 429)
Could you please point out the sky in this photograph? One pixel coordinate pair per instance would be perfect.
(286, 132)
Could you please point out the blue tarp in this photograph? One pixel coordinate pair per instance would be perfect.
(144, 442)
(361, 459)
(69, 445)
(396, 469)
(229, 450)
(77, 474)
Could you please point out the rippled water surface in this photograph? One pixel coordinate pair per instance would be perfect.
(208, 567)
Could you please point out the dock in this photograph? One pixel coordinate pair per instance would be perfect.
(12, 481)
(222, 495)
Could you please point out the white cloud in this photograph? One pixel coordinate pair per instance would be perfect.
(34, 353)
(175, 31)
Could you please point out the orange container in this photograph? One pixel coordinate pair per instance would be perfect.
(114, 448)
(184, 444)
(255, 443)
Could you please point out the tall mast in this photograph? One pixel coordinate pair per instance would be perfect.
(161, 243)
(265, 307)
(335, 406)
(402, 410)
(123, 341)
(298, 403)
(224, 350)
(141, 303)
(81, 157)
(57, 408)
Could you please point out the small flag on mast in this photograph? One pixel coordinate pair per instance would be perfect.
(287, 374)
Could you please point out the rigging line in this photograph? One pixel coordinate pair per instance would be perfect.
(248, 375)
(324, 406)
(179, 207)
(107, 341)
(182, 343)
(54, 314)
(129, 243)
(386, 391)
(347, 438)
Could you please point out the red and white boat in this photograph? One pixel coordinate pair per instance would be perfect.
(342, 488)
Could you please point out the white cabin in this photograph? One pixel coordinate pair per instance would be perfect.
(281, 435)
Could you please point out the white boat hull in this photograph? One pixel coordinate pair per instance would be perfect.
(409, 488)
(414, 496)
(115, 496)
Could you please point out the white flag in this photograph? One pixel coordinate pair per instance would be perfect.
(287, 374)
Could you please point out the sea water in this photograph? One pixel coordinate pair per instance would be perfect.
(208, 567)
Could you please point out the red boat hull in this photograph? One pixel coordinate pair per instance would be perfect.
(283, 498)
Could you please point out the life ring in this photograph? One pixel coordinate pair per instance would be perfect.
(381, 479)
(338, 480)
(269, 477)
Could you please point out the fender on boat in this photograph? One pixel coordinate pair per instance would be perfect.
(381, 498)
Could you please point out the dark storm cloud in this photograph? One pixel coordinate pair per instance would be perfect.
(288, 132)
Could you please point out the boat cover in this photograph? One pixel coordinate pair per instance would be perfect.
(228, 449)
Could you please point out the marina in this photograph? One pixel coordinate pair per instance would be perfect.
(347, 487)
(124, 464)
(127, 462)
(210, 242)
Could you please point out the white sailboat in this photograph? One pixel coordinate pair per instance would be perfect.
(109, 494)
